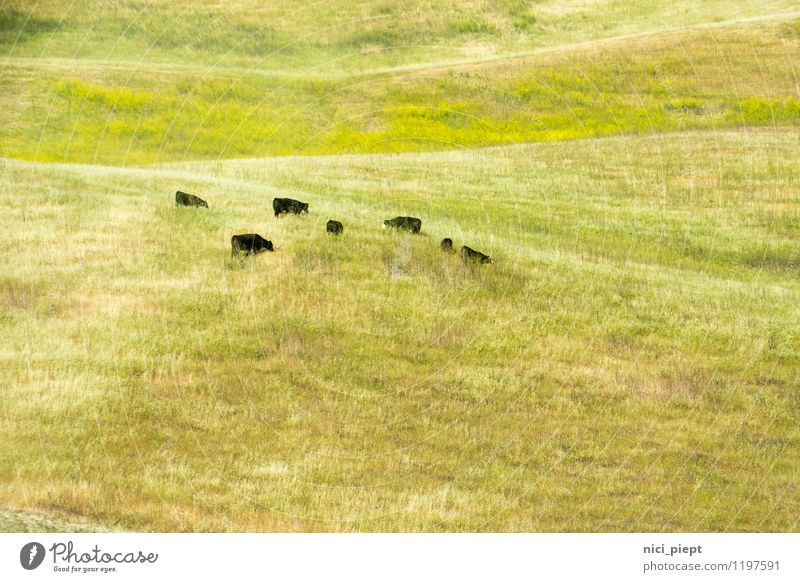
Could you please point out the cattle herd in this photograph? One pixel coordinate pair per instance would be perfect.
(252, 243)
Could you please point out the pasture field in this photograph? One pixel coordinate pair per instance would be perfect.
(629, 362)
(91, 111)
(340, 36)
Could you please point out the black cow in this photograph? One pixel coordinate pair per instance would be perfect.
(184, 199)
(334, 227)
(446, 245)
(288, 206)
(249, 244)
(469, 255)
(408, 223)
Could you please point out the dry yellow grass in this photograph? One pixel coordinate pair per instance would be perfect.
(628, 363)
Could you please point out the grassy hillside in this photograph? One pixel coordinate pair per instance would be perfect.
(629, 362)
(138, 113)
(339, 35)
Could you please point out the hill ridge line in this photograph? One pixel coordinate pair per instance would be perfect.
(158, 167)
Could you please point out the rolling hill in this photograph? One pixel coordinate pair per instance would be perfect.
(629, 362)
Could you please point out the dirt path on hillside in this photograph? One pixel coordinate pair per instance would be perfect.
(468, 64)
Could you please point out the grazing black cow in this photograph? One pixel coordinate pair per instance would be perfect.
(334, 227)
(184, 199)
(288, 206)
(469, 255)
(446, 245)
(408, 223)
(249, 244)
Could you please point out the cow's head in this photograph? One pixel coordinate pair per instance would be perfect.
(304, 206)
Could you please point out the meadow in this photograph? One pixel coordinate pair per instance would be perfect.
(338, 37)
(101, 112)
(629, 362)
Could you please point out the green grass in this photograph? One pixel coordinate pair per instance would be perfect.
(697, 79)
(289, 36)
(628, 363)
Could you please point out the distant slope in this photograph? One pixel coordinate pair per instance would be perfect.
(706, 77)
(346, 34)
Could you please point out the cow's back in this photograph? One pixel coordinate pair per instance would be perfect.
(184, 199)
